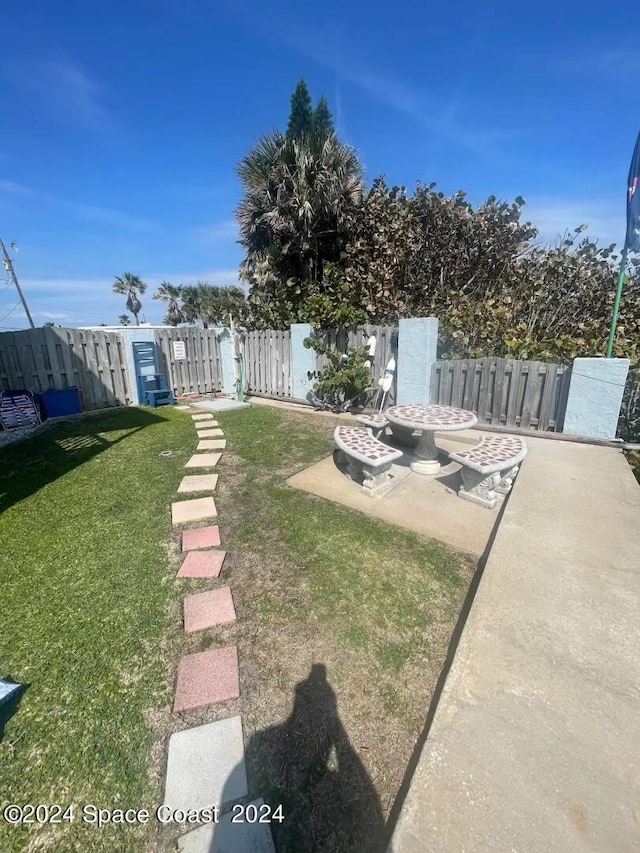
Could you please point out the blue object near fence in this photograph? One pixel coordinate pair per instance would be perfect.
(152, 385)
(58, 402)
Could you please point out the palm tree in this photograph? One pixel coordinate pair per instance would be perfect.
(170, 293)
(131, 285)
(297, 193)
(212, 304)
(125, 320)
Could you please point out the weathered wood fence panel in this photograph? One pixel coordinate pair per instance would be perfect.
(267, 358)
(504, 392)
(356, 336)
(200, 371)
(39, 359)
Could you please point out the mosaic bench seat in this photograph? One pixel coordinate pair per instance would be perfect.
(377, 423)
(489, 468)
(368, 460)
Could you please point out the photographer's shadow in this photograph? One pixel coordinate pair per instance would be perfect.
(308, 766)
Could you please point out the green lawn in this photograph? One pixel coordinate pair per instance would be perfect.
(343, 624)
(84, 608)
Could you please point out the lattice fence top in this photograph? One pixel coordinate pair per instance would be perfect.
(358, 442)
(493, 454)
(431, 416)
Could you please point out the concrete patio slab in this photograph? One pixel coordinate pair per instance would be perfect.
(208, 609)
(534, 741)
(193, 510)
(427, 505)
(227, 837)
(224, 404)
(202, 564)
(202, 417)
(198, 483)
(201, 537)
(210, 433)
(206, 678)
(203, 460)
(205, 766)
(211, 444)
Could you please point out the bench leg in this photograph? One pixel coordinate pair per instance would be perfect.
(506, 480)
(376, 480)
(479, 488)
(339, 457)
(354, 469)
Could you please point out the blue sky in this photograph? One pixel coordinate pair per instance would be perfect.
(123, 122)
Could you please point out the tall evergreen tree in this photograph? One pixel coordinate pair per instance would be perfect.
(322, 121)
(301, 115)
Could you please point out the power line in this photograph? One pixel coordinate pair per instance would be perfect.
(11, 312)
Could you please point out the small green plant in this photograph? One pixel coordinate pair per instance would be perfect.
(345, 381)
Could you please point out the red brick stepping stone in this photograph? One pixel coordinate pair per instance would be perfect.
(193, 510)
(211, 444)
(206, 678)
(208, 609)
(203, 460)
(201, 537)
(202, 564)
(210, 433)
(198, 483)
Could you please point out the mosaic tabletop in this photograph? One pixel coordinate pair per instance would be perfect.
(497, 451)
(360, 443)
(430, 416)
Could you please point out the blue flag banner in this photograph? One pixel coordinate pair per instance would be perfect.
(633, 202)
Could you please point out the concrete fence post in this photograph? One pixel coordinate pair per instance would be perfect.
(227, 360)
(131, 335)
(595, 396)
(303, 360)
(417, 351)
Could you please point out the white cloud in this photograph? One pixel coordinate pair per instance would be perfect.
(553, 217)
(81, 211)
(228, 229)
(65, 90)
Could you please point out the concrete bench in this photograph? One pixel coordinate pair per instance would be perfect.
(376, 423)
(489, 468)
(368, 460)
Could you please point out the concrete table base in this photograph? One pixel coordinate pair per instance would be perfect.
(427, 455)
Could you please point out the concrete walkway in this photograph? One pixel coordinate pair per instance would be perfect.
(535, 742)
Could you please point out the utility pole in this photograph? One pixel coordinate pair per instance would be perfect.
(12, 274)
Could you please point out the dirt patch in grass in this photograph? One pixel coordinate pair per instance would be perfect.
(342, 628)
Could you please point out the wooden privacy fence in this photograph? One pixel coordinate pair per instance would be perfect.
(190, 359)
(39, 359)
(267, 358)
(356, 336)
(504, 392)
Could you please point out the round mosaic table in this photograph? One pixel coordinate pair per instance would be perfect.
(429, 418)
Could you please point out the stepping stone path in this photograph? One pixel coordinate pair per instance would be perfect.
(224, 836)
(204, 460)
(198, 483)
(210, 433)
(206, 764)
(208, 609)
(202, 564)
(193, 510)
(211, 444)
(206, 678)
(201, 537)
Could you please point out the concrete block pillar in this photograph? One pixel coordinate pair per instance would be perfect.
(595, 396)
(131, 335)
(417, 351)
(227, 360)
(303, 360)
